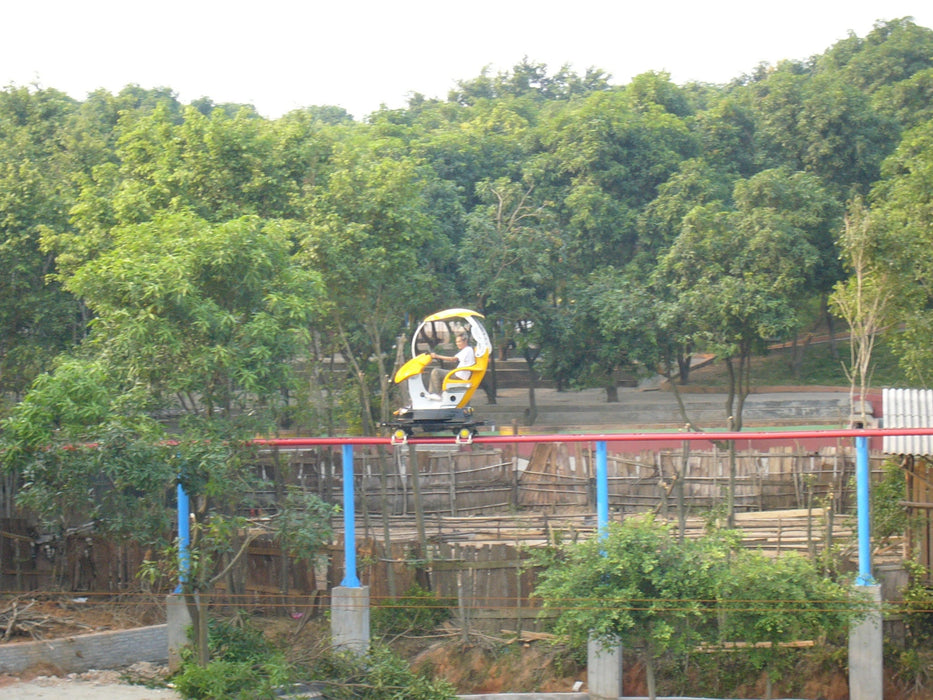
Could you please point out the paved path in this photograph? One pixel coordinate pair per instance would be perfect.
(639, 408)
(67, 689)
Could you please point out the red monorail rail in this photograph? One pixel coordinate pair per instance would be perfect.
(299, 442)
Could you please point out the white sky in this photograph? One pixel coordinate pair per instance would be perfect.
(283, 54)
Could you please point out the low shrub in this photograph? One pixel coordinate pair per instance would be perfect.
(416, 611)
(245, 665)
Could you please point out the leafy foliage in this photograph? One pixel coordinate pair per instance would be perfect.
(889, 518)
(637, 586)
(904, 205)
(641, 587)
(77, 444)
(243, 665)
(913, 659)
(768, 602)
(379, 675)
(302, 524)
(416, 611)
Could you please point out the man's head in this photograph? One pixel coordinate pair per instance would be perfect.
(461, 341)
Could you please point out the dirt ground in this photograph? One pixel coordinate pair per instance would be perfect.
(483, 664)
(93, 685)
(27, 618)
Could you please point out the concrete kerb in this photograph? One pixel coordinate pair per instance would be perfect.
(99, 650)
(527, 696)
(575, 696)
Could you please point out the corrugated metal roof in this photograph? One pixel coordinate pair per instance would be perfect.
(908, 408)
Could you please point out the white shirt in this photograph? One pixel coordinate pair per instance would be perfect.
(465, 358)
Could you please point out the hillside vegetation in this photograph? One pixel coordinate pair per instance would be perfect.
(819, 367)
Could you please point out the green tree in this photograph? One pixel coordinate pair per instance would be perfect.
(726, 130)
(37, 318)
(614, 315)
(640, 586)
(812, 213)
(866, 299)
(207, 319)
(766, 602)
(892, 52)
(637, 586)
(902, 208)
(370, 235)
(468, 145)
(220, 540)
(206, 315)
(507, 263)
(76, 444)
(842, 139)
(909, 102)
(528, 79)
(217, 167)
(694, 183)
(820, 124)
(603, 159)
(738, 275)
(735, 279)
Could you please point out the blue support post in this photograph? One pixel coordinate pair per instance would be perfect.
(866, 642)
(604, 661)
(184, 537)
(350, 579)
(602, 489)
(863, 504)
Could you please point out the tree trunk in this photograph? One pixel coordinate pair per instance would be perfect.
(650, 677)
(681, 406)
(799, 354)
(730, 393)
(681, 503)
(612, 390)
(731, 497)
(532, 414)
(830, 326)
(490, 381)
(683, 367)
(198, 613)
(278, 479)
(421, 572)
(386, 530)
(730, 423)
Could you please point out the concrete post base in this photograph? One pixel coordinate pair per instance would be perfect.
(603, 670)
(349, 618)
(178, 621)
(866, 670)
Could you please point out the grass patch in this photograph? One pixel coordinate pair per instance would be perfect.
(818, 368)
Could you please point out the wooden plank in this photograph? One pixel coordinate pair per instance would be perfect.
(461, 564)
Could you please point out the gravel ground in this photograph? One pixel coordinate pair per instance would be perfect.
(93, 685)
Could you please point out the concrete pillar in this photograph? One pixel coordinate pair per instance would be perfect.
(178, 621)
(349, 618)
(866, 669)
(603, 670)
